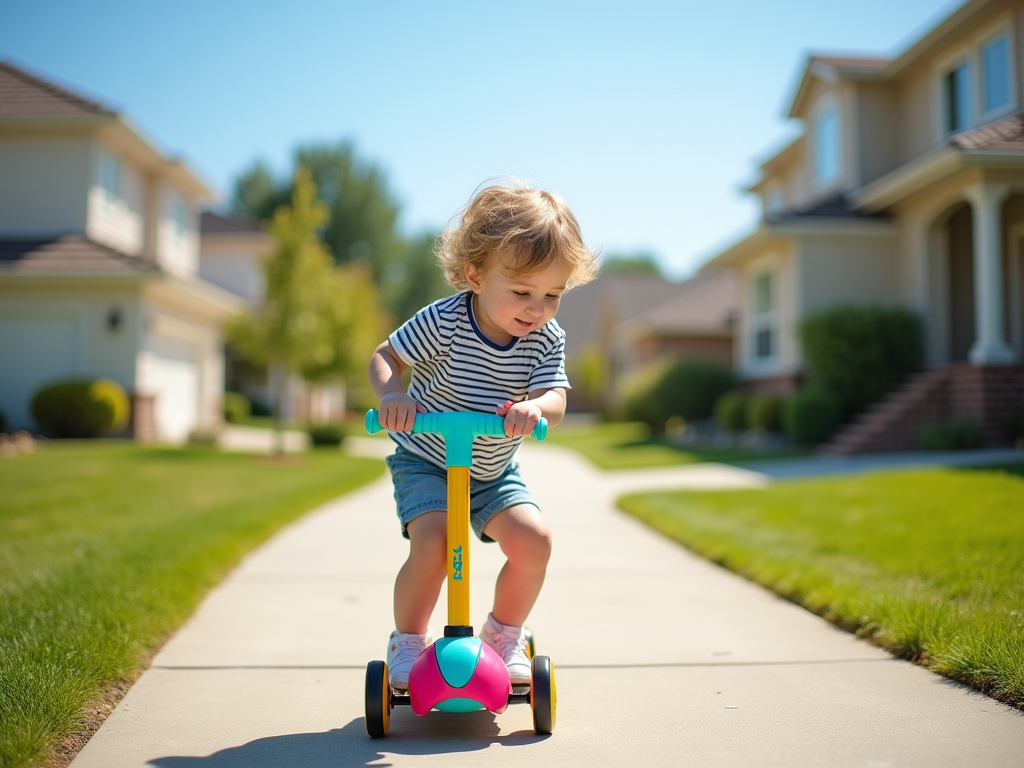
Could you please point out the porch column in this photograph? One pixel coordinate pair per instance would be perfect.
(990, 346)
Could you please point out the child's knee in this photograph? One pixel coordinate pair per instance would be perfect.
(524, 535)
(428, 537)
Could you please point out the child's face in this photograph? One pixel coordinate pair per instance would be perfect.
(508, 307)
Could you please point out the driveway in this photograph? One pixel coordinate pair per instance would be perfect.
(661, 657)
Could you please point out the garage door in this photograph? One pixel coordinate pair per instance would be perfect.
(173, 376)
(35, 349)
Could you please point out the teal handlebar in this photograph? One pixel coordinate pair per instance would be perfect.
(458, 430)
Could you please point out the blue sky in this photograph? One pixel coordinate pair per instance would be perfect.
(648, 117)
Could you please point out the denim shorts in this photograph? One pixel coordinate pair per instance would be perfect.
(422, 486)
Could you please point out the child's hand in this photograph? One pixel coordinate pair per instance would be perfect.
(397, 411)
(520, 418)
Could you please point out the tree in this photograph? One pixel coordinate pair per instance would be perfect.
(631, 263)
(362, 225)
(315, 320)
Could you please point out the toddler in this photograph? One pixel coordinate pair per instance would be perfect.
(494, 347)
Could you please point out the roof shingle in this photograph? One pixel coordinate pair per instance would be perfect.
(23, 94)
(69, 254)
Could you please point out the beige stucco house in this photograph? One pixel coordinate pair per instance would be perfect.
(99, 250)
(905, 187)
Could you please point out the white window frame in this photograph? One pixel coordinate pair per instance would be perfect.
(767, 320)
(178, 213)
(970, 53)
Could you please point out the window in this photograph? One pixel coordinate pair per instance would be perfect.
(764, 317)
(109, 172)
(773, 203)
(826, 147)
(995, 72)
(957, 86)
(179, 214)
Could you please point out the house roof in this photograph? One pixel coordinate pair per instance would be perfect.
(703, 305)
(214, 224)
(1006, 135)
(836, 207)
(611, 298)
(23, 94)
(71, 254)
(26, 99)
(831, 68)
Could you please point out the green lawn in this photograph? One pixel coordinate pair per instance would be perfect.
(929, 564)
(630, 445)
(106, 548)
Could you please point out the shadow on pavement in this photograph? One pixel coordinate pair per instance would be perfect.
(434, 733)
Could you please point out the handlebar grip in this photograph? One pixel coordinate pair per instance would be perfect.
(444, 422)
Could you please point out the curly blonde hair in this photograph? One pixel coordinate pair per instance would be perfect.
(530, 227)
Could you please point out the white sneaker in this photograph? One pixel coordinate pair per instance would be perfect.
(510, 644)
(403, 648)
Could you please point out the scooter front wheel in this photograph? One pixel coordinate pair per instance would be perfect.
(378, 700)
(543, 695)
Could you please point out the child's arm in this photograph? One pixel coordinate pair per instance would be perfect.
(522, 417)
(397, 410)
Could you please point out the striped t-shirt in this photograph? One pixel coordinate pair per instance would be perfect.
(456, 368)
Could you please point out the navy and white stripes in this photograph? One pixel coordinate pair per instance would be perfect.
(456, 368)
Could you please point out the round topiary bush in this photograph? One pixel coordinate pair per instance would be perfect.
(236, 407)
(811, 415)
(764, 411)
(81, 408)
(730, 410)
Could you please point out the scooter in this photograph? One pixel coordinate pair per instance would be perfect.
(459, 672)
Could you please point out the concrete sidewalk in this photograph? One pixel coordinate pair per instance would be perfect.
(661, 657)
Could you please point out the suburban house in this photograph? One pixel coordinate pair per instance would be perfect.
(905, 187)
(629, 320)
(99, 255)
(231, 251)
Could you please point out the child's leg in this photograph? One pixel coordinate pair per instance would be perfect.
(525, 538)
(419, 581)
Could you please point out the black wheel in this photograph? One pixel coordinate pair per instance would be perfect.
(378, 700)
(543, 696)
(531, 648)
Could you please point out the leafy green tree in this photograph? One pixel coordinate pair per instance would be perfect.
(416, 279)
(315, 320)
(631, 263)
(362, 225)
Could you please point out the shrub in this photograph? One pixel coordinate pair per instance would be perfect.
(3, 421)
(730, 410)
(684, 388)
(260, 408)
(811, 415)
(236, 407)
(1012, 423)
(81, 408)
(326, 435)
(764, 411)
(954, 435)
(861, 352)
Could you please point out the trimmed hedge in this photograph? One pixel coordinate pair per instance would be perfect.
(811, 415)
(81, 408)
(236, 407)
(861, 352)
(330, 435)
(764, 411)
(686, 388)
(731, 409)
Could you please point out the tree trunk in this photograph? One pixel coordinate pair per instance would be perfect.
(278, 382)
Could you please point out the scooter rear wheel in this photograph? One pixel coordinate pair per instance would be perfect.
(543, 695)
(378, 700)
